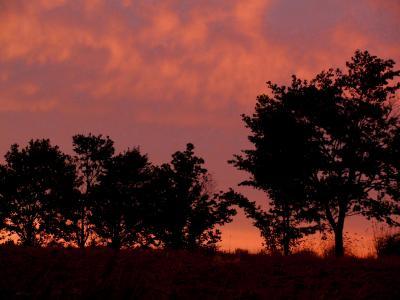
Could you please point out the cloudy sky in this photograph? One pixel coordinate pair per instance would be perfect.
(161, 73)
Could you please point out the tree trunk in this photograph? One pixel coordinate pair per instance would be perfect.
(116, 240)
(82, 238)
(286, 248)
(116, 244)
(81, 241)
(286, 238)
(28, 241)
(286, 234)
(30, 235)
(339, 247)
(338, 228)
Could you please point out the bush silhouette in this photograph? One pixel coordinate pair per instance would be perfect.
(388, 245)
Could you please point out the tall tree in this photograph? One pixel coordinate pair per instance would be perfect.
(92, 153)
(277, 165)
(39, 179)
(120, 206)
(347, 127)
(188, 212)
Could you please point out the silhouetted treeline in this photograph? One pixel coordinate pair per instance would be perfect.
(118, 200)
(322, 150)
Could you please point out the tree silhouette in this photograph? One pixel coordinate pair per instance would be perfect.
(281, 226)
(187, 210)
(277, 166)
(343, 130)
(392, 182)
(92, 153)
(3, 191)
(120, 206)
(38, 179)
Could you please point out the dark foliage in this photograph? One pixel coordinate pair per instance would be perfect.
(187, 210)
(120, 201)
(37, 180)
(120, 204)
(322, 147)
(92, 153)
(3, 192)
(388, 245)
(278, 226)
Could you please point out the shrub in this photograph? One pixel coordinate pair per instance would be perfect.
(388, 245)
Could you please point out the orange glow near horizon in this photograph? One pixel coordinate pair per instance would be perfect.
(160, 74)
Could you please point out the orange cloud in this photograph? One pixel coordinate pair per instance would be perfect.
(166, 58)
(211, 54)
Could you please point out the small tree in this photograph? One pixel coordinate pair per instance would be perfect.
(187, 210)
(92, 153)
(120, 206)
(282, 226)
(39, 179)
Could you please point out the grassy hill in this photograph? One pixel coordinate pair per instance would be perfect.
(102, 273)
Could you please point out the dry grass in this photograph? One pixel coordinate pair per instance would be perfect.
(105, 274)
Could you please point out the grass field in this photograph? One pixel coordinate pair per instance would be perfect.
(105, 274)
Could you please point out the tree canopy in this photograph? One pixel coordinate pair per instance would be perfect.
(187, 209)
(38, 179)
(322, 146)
(92, 153)
(120, 203)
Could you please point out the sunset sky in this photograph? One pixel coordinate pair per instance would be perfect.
(160, 73)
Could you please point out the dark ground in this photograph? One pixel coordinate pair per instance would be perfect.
(101, 273)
